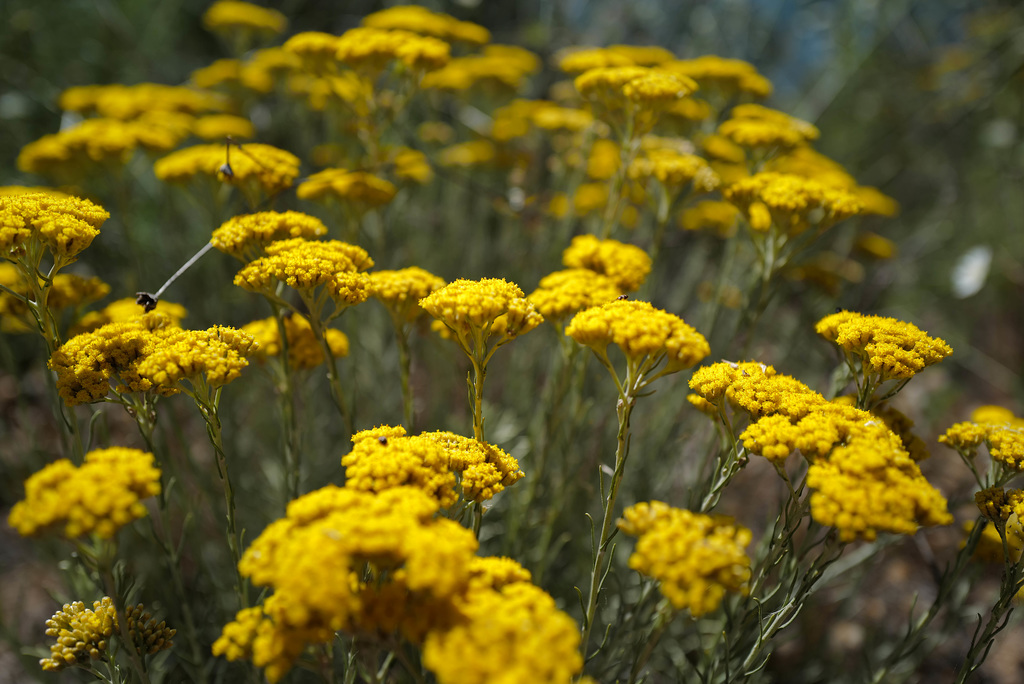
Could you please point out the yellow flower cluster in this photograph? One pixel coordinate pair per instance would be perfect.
(729, 75)
(514, 633)
(475, 310)
(720, 218)
(697, 559)
(359, 189)
(81, 634)
(999, 505)
(494, 66)
(674, 169)
(581, 60)
(470, 153)
(626, 265)
(411, 165)
(421, 20)
(118, 101)
(792, 203)
(221, 126)
(994, 426)
(401, 291)
(370, 50)
(253, 166)
(616, 87)
(99, 497)
(440, 464)
(863, 478)
(640, 331)
(886, 347)
(313, 560)
(753, 125)
(304, 351)
(101, 141)
(62, 224)
(66, 291)
(128, 309)
(233, 14)
(211, 357)
(246, 237)
(563, 293)
(307, 265)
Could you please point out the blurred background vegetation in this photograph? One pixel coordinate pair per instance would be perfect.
(923, 99)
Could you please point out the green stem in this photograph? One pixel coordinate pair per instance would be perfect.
(286, 401)
(112, 590)
(624, 410)
(661, 622)
(405, 367)
(334, 379)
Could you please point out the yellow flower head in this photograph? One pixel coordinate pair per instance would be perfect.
(643, 55)
(220, 126)
(477, 309)
(514, 633)
(370, 50)
(212, 357)
(471, 153)
(640, 331)
(253, 166)
(729, 75)
(483, 469)
(376, 465)
(627, 265)
(91, 364)
(792, 203)
(100, 497)
(752, 125)
(306, 265)
(563, 293)
(862, 489)
(675, 170)
(128, 309)
(553, 118)
(316, 51)
(720, 218)
(117, 101)
(697, 559)
(226, 15)
(614, 87)
(309, 559)
(887, 347)
(581, 60)
(359, 189)
(246, 237)
(81, 634)
(304, 350)
(64, 225)
(422, 21)
(401, 291)
(411, 165)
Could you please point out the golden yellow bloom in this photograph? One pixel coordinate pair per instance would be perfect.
(604, 159)
(245, 237)
(304, 351)
(63, 225)
(220, 126)
(222, 72)
(360, 189)
(996, 415)
(411, 165)
(212, 357)
(887, 347)
(697, 559)
(902, 426)
(377, 465)
(117, 101)
(233, 14)
(640, 331)
(316, 51)
(862, 490)
(752, 125)
(483, 469)
(721, 218)
(463, 73)
(875, 246)
(67, 291)
(306, 265)
(627, 265)
(475, 310)
(613, 86)
(729, 75)
(514, 633)
(792, 203)
(581, 60)
(421, 20)
(81, 634)
(401, 291)
(675, 170)
(563, 293)
(253, 166)
(990, 544)
(128, 309)
(310, 557)
(472, 153)
(554, 118)
(100, 497)
(370, 50)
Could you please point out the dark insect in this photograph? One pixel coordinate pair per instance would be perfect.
(146, 301)
(621, 297)
(383, 440)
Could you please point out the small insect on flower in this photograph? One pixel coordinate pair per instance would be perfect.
(621, 297)
(383, 440)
